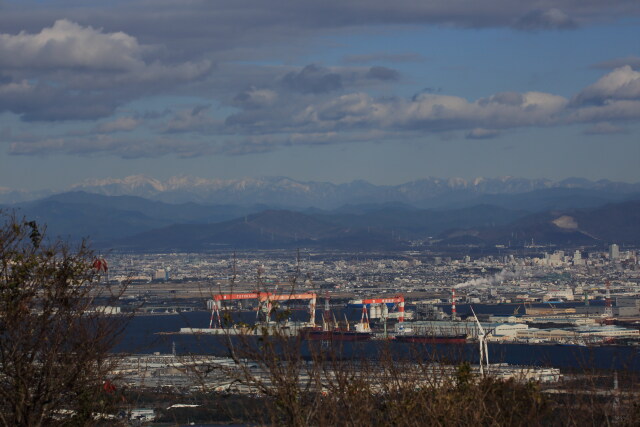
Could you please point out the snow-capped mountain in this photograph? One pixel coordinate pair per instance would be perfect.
(282, 191)
(288, 193)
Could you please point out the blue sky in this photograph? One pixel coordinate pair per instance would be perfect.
(324, 91)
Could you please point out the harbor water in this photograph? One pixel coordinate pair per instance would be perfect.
(158, 333)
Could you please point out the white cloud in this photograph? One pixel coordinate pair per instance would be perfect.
(609, 111)
(68, 45)
(68, 71)
(621, 83)
(436, 112)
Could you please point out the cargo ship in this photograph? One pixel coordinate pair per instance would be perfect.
(431, 339)
(331, 331)
(335, 335)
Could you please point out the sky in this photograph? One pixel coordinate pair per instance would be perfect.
(332, 90)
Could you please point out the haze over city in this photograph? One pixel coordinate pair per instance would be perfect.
(329, 91)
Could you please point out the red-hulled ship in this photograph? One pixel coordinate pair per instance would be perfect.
(335, 335)
(431, 339)
(330, 331)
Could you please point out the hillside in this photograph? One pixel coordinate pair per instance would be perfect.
(77, 215)
(135, 223)
(612, 223)
(268, 229)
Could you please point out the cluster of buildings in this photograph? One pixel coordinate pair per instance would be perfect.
(408, 271)
(585, 277)
(593, 259)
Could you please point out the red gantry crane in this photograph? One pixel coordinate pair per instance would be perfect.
(398, 300)
(263, 297)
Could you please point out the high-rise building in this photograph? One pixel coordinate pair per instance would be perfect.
(614, 252)
(577, 258)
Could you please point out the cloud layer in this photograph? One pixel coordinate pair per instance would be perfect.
(92, 65)
(70, 72)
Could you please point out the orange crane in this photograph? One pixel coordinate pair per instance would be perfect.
(263, 297)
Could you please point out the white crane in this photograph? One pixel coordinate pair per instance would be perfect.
(484, 349)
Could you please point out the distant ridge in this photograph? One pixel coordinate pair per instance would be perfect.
(550, 216)
(287, 193)
(391, 229)
(77, 215)
(265, 230)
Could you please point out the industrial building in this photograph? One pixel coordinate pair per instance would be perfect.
(580, 334)
(447, 327)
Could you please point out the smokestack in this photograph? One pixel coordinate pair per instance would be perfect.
(401, 310)
(608, 310)
(454, 314)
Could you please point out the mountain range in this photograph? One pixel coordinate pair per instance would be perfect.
(281, 192)
(560, 216)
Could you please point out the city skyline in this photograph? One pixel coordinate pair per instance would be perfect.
(334, 92)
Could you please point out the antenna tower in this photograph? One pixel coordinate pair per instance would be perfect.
(454, 313)
(608, 310)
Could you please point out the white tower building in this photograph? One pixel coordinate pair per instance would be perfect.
(614, 252)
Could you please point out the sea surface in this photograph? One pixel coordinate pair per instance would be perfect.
(148, 334)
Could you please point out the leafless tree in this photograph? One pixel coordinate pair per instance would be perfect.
(298, 383)
(55, 340)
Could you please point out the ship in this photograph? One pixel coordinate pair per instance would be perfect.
(331, 331)
(431, 339)
(335, 335)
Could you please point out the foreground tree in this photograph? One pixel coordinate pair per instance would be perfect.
(54, 338)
